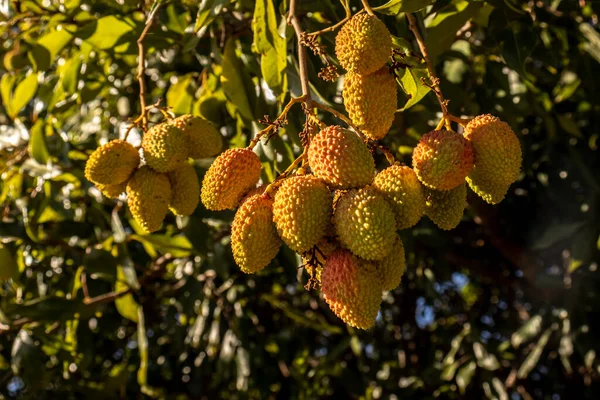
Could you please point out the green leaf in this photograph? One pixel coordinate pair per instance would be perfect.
(48, 47)
(6, 87)
(142, 374)
(412, 86)
(525, 333)
(126, 305)
(38, 148)
(593, 40)
(178, 246)
(533, 357)
(180, 96)
(485, 360)
(270, 45)
(232, 81)
(441, 30)
(394, 7)
(207, 11)
(24, 93)
(105, 33)
(464, 376)
(8, 265)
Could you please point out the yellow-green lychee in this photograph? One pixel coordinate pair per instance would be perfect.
(148, 196)
(203, 138)
(352, 289)
(365, 223)
(497, 157)
(112, 163)
(364, 44)
(112, 191)
(302, 211)
(370, 101)
(404, 192)
(186, 190)
(165, 147)
(391, 268)
(446, 208)
(340, 158)
(442, 159)
(230, 176)
(254, 239)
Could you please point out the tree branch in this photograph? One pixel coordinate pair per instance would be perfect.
(292, 19)
(435, 82)
(142, 63)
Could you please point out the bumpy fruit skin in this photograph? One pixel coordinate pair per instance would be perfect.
(148, 196)
(112, 191)
(497, 157)
(352, 289)
(165, 147)
(442, 159)
(254, 239)
(365, 223)
(112, 163)
(371, 101)
(301, 211)
(203, 138)
(230, 176)
(446, 208)
(391, 268)
(186, 190)
(340, 158)
(404, 192)
(364, 44)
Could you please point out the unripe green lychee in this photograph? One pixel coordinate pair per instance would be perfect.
(404, 192)
(254, 239)
(148, 196)
(391, 268)
(302, 211)
(497, 157)
(186, 190)
(446, 208)
(364, 44)
(203, 138)
(371, 101)
(365, 223)
(165, 147)
(112, 163)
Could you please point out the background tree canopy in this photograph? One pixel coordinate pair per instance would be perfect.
(504, 306)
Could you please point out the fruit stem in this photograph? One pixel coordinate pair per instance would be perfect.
(282, 119)
(461, 121)
(334, 27)
(141, 73)
(138, 120)
(285, 173)
(292, 19)
(367, 7)
(435, 81)
(340, 116)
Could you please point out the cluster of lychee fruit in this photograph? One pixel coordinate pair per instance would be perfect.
(162, 179)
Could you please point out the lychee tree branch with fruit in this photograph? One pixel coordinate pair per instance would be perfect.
(285, 198)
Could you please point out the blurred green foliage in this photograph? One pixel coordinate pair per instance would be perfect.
(505, 306)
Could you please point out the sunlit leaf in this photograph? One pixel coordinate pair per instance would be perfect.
(412, 85)
(24, 92)
(394, 7)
